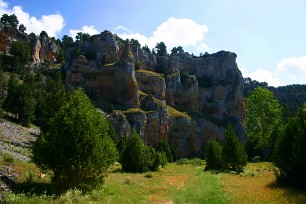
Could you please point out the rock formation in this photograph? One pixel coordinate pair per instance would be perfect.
(8, 35)
(114, 81)
(179, 99)
(44, 48)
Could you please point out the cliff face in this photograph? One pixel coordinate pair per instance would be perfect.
(178, 99)
(44, 48)
(8, 35)
(112, 81)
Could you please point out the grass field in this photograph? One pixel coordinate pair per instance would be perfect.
(175, 184)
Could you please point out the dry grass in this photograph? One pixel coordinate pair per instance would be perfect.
(259, 185)
(175, 113)
(175, 184)
(131, 188)
(147, 72)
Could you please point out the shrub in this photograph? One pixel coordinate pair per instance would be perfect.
(174, 153)
(256, 159)
(7, 157)
(197, 162)
(163, 159)
(182, 161)
(194, 161)
(290, 154)
(233, 153)
(137, 157)
(132, 157)
(149, 175)
(164, 147)
(77, 147)
(213, 154)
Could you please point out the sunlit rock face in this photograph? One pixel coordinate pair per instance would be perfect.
(181, 99)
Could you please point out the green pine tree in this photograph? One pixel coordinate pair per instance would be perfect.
(213, 155)
(77, 147)
(290, 154)
(233, 153)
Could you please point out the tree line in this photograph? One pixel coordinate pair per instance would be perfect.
(76, 141)
(270, 138)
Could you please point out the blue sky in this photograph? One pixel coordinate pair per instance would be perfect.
(269, 36)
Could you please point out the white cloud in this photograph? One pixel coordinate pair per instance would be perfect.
(85, 29)
(52, 24)
(294, 69)
(121, 28)
(262, 75)
(244, 72)
(173, 32)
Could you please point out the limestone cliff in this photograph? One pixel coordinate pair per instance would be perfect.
(8, 35)
(43, 48)
(115, 80)
(179, 99)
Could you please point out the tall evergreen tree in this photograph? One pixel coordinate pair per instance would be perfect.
(132, 158)
(10, 103)
(233, 153)
(77, 147)
(25, 104)
(161, 49)
(290, 154)
(50, 97)
(137, 157)
(213, 155)
(163, 146)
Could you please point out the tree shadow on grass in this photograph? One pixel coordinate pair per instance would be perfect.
(34, 188)
(290, 192)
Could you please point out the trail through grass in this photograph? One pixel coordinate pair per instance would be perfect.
(175, 184)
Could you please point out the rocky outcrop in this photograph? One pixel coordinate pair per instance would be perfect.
(221, 89)
(36, 50)
(48, 49)
(154, 98)
(151, 83)
(43, 48)
(143, 60)
(125, 84)
(120, 124)
(115, 80)
(182, 91)
(157, 118)
(8, 35)
(101, 49)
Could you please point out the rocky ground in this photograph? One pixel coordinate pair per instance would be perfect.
(16, 139)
